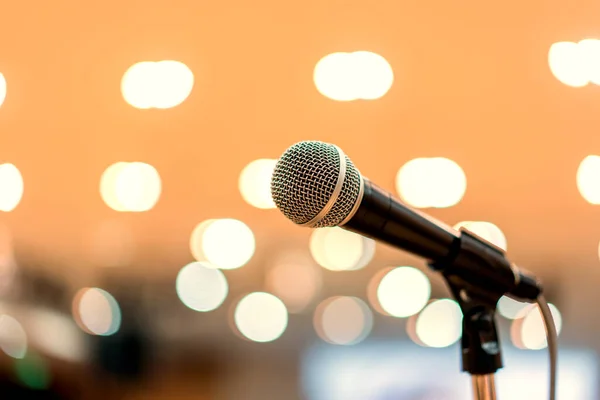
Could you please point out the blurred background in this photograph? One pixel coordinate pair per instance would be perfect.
(142, 258)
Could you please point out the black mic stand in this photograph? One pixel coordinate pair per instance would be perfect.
(480, 346)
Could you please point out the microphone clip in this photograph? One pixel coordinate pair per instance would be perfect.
(480, 344)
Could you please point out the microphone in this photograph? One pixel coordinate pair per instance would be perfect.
(316, 185)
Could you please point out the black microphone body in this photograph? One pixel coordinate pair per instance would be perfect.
(460, 255)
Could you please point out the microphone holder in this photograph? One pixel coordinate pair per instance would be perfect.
(481, 356)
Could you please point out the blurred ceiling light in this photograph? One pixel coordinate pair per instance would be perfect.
(529, 332)
(431, 182)
(201, 287)
(353, 76)
(138, 187)
(295, 281)
(511, 308)
(576, 64)
(2, 89)
(11, 187)
(196, 239)
(261, 317)
(96, 312)
(566, 61)
(439, 324)
(112, 244)
(13, 339)
(485, 230)
(337, 249)
(224, 243)
(403, 292)
(588, 176)
(411, 330)
(56, 335)
(343, 320)
(589, 50)
(255, 183)
(160, 84)
(132, 187)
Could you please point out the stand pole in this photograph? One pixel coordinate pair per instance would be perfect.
(484, 387)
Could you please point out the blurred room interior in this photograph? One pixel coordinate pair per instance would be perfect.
(141, 255)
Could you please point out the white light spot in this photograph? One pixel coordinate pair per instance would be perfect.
(440, 323)
(255, 183)
(261, 317)
(201, 287)
(533, 332)
(161, 84)
(96, 312)
(403, 291)
(2, 89)
(511, 308)
(11, 187)
(337, 249)
(352, 76)
(567, 63)
(228, 243)
(588, 176)
(133, 187)
(431, 182)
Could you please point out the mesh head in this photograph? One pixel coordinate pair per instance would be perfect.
(304, 181)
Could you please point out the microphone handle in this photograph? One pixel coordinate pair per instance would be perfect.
(384, 218)
(460, 255)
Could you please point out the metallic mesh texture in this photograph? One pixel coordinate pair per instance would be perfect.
(304, 180)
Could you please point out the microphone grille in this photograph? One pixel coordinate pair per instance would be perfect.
(305, 180)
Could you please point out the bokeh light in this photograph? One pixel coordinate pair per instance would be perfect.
(485, 230)
(161, 84)
(589, 50)
(439, 324)
(132, 187)
(352, 76)
(261, 317)
(576, 64)
(588, 176)
(337, 249)
(567, 64)
(11, 187)
(529, 332)
(403, 292)
(512, 309)
(294, 280)
(56, 335)
(224, 243)
(13, 339)
(196, 239)
(343, 320)
(431, 182)
(201, 287)
(2, 89)
(96, 312)
(255, 183)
